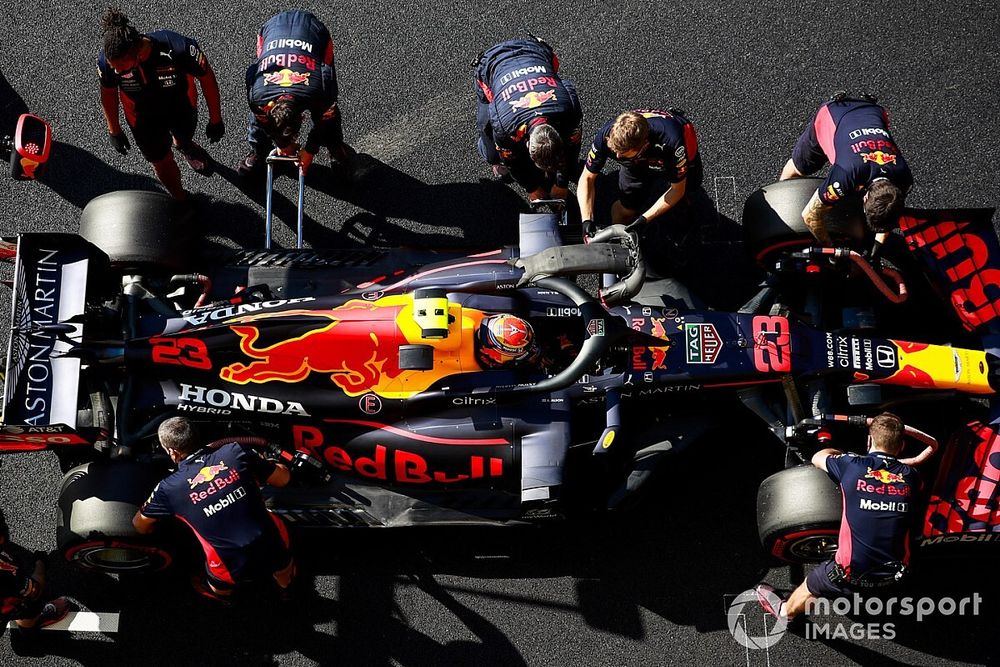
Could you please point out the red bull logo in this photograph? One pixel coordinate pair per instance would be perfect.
(358, 348)
(286, 77)
(207, 474)
(533, 99)
(884, 476)
(658, 330)
(879, 157)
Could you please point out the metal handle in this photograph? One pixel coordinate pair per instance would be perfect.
(272, 158)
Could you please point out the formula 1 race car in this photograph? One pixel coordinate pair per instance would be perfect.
(363, 370)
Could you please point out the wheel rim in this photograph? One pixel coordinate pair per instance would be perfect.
(119, 557)
(813, 547)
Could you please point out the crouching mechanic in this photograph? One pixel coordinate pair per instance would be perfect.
(22, 580)
(853, 136)
(217, 494)
(528, 117)
(153, 75)
(873, 550)
(293, 73)
(658, 152)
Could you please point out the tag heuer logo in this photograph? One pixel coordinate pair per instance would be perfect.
(701, 343)
(595, 327)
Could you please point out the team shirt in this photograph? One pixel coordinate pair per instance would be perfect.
(163, 82)
(673, 146)
(855, 137)
(875, 529)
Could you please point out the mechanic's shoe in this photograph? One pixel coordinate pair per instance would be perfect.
(52, 612)
(202, 588)
(769, 600)
(343, 164)
(197, 158)
(251, 165)
(868, 97)
(501, 173)
(838, 96)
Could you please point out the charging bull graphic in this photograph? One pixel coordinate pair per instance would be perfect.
(358, 348)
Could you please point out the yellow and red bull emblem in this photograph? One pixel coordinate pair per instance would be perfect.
(207, 474)
(358, 348)
(286, 77)
(884, 476)
(533, 99)
(880, 158)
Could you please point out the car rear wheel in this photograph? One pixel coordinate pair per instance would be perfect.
(798, 515)
(772, 218)
(97, 501)
(138, 229)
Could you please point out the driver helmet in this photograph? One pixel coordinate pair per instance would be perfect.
(504, 339)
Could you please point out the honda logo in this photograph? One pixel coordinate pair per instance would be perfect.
(886, 356)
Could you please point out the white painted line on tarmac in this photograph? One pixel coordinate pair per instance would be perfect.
(84, 621)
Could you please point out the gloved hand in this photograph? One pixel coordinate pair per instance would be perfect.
(120, 142)
(215, 131)
(589, 228)
(636, 224)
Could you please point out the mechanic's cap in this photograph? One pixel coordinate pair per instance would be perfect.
(503, 339)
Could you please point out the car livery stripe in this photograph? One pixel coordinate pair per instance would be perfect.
(459, 442)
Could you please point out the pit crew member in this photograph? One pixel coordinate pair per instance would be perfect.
(528, 117)
(853, 136)
(294, 73)
(658, 152)
(153, 75)
(216, 493)
(22, 580)
(873, 550)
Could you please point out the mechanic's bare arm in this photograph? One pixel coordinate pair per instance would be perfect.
(813, 215)
(109, 104)
(142, 523)
(586, 191)
(930, 441)
(280, 477)
(669, 199)
(820, 457)
(210, 89)
(789, 171)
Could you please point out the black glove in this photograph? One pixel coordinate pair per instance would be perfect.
(120, 142)
(636, 224)
(214, 131)
(589, 228)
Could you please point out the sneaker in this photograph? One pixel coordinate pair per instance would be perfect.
(52, 612)
(769, 600)
(196, 158)
(501, 173)
(343, 163)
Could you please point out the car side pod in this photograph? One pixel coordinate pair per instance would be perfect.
(29, 147)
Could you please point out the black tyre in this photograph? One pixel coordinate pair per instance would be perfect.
(798, 515)
(97, 501)
(139, 229)
(772, 218)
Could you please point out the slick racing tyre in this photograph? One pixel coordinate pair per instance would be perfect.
(97, 501)
(772, 218)
(798, 515)
(138, 230)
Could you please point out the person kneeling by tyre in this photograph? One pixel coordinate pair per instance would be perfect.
(873, 551)
(22, 581)
(217, 494)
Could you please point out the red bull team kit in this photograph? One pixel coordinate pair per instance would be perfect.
(294, 64)
(874, 545)
(158, 95)
(671, 156)
(853, 136)
(518, 87)
(217, 494)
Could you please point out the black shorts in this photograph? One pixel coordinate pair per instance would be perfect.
(258, 561)
(807, 156)
(827, 581)
(640, 186)
(154, 132)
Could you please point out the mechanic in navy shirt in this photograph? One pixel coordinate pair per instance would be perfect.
(873, 550)
(853, 136)
(658, 152)
(217, 494)
(528, 117)
(22, 580)
(294, 73)
(153, 75)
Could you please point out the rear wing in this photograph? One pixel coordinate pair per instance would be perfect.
(52, 273)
